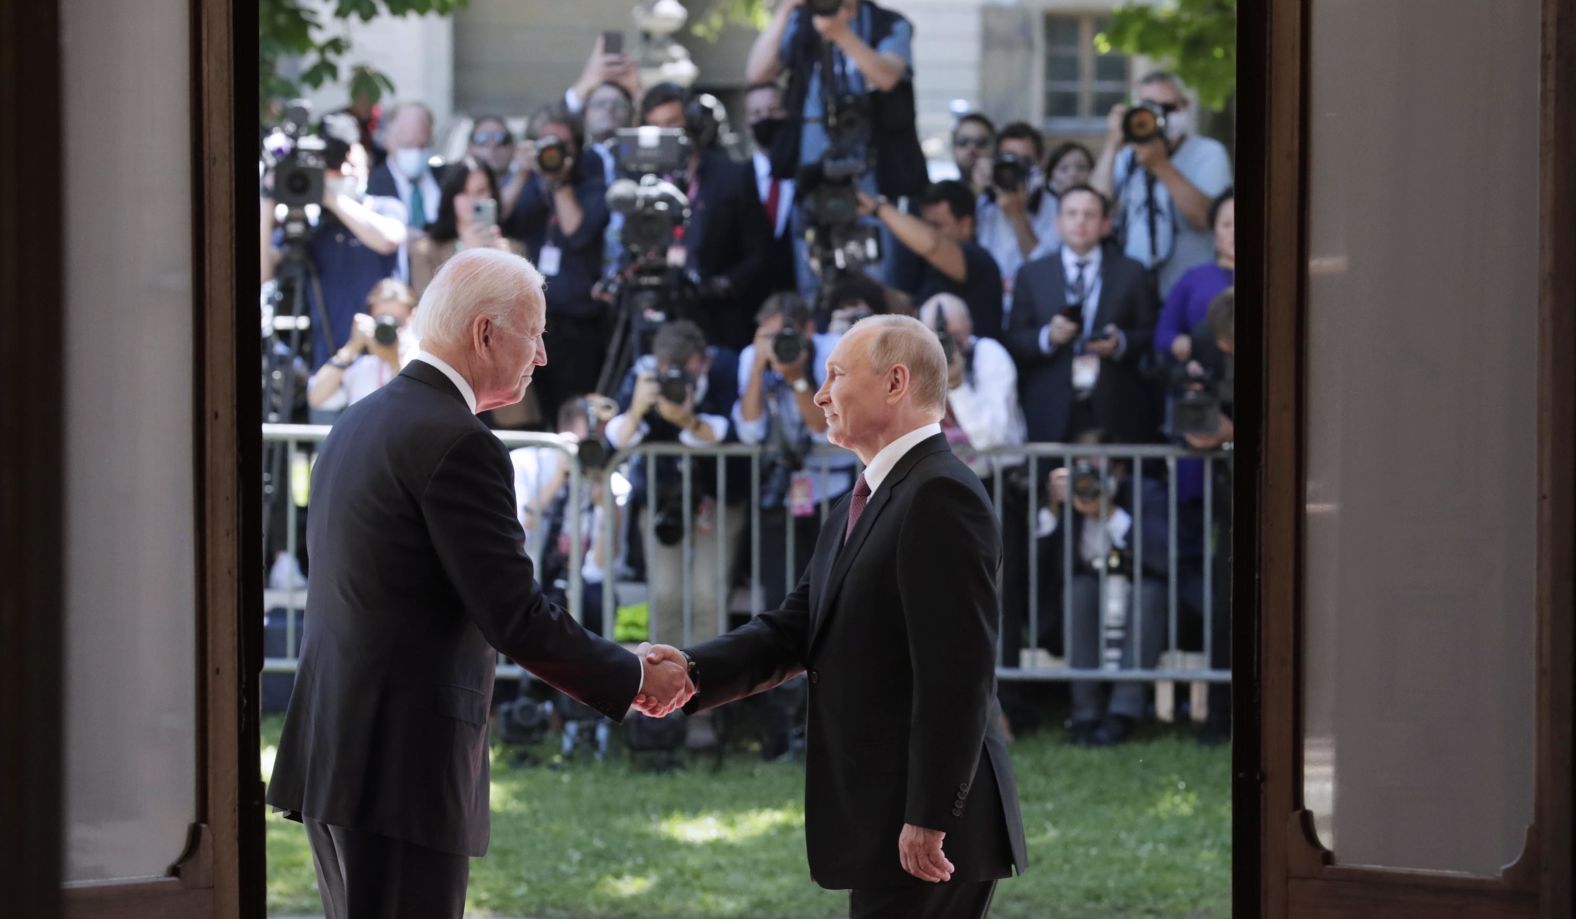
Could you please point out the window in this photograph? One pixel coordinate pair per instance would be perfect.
(1081, 84)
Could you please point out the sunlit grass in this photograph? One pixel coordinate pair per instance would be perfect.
(1143, 830)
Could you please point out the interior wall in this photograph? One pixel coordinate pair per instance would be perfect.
(130, 572)
(1421, 430)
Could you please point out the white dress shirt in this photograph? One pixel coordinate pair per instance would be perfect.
(881, 464)
(763, 185)
(986, 406)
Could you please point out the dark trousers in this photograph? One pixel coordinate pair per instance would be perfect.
(952, 900)
(363, 875)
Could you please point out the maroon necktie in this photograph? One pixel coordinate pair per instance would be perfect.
(857, 505)
(773, 198)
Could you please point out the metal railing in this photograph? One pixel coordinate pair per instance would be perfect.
(1029, 464)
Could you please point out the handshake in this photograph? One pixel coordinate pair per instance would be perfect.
(666, 686)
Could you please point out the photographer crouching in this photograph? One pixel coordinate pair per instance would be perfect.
(380, 345)
(682, 393)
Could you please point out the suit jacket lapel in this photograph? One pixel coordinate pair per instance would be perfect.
(423, 372)
(844, 558)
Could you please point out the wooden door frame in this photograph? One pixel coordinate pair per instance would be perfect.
(1273, 830)
(222, 869)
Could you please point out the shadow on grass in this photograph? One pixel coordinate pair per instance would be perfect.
(1143, 830)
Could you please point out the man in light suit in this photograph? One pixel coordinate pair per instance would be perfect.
(910, 798)
(418, 575)
(1082, 319)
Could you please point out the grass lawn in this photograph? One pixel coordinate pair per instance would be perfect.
(1141, 830)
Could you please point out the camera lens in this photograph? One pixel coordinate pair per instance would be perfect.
(386, 332)
(550, 154)
(787, 346)
(1143, 123)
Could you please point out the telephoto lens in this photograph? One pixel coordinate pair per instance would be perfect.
(386, 332)
(787, 346)
(550, 153)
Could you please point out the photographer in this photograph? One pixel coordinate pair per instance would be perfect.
(764, 112)
(943, 236)
(561, 215)
(352, 242)
(380, 345)
(973, 138)
(604, 68)
(682, 392)
(1161, 183)
(1104, 714)
(779, 374)
(1188, 303)
(727, 240)
(1083, 318)
(1017, 213)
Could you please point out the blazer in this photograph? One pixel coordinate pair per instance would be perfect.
(897, 631)
(1045, 383)
(418, 574)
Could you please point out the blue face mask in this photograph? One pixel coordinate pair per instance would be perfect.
(412, 163)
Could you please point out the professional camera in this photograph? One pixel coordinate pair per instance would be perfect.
(385, 331)
(1196, 401)
(648, 150)
(949, 346)
(823, 7)
(1010, 172)
(788, 345)
(667, 524)
(296, 157)
(1088, 484)
(675, 384)
(653, 211)
(550, 153)
(1144, 122)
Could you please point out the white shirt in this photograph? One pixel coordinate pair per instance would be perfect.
(987, 408)
(763, 185)
(881, 464)
(1094, 541)
(459, 382)
(994, 232)
(366, 375)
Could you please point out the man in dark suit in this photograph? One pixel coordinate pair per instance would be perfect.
(895, 622)
(1081, 319)
(418, 574)
(728, 238)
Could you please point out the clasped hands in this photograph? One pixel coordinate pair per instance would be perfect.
(667, 685)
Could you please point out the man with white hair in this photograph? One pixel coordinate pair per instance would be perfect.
(895, 622)
(418, 575)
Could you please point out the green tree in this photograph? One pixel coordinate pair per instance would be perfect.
(295, 29)
(1195, 39)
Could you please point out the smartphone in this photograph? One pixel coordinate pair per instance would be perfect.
(1073, 314)
(612, 42)
(485, 212)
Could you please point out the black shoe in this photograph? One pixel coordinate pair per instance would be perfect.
(1113, 731)
(1081, 733)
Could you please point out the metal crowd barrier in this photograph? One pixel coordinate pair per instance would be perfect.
(1036, 459)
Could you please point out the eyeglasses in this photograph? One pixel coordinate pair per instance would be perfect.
(483, 138)
(971, 141)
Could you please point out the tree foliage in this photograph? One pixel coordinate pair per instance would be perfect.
(1195, 39)
(296, 30)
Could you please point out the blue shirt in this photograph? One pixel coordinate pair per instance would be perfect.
(1188, 303)
(1178, 244)
(347, 270)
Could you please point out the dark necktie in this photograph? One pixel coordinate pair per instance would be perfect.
(418, 206)
(857, 505)
(1076, 291)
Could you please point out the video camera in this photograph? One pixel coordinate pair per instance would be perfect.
(653, 207)
(296, 157)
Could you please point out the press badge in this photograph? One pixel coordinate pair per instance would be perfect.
(1086, 371)
(801, 500)
(549, 260)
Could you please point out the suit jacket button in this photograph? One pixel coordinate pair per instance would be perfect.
(815, 677)
(964, 788)
(957, 812)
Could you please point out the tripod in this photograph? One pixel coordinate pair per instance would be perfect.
(648, 296)
(281, 356)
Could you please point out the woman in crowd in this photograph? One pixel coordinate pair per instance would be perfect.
(380, 345)
(1188, 303)
(468, 214)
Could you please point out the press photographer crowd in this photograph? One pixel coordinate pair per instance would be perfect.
(698, 277)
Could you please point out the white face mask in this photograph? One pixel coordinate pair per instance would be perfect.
(411, 162)
(1178, 123)
(346, 185)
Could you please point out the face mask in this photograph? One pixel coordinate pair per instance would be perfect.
(345, 185)
(765, 130)
(411, 162)
(1178, 123)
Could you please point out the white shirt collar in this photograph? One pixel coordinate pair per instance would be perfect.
(1070, 260)
(881, 464)
(459, 382)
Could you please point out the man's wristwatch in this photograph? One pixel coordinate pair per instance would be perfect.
(693, 671)
(800, 385)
